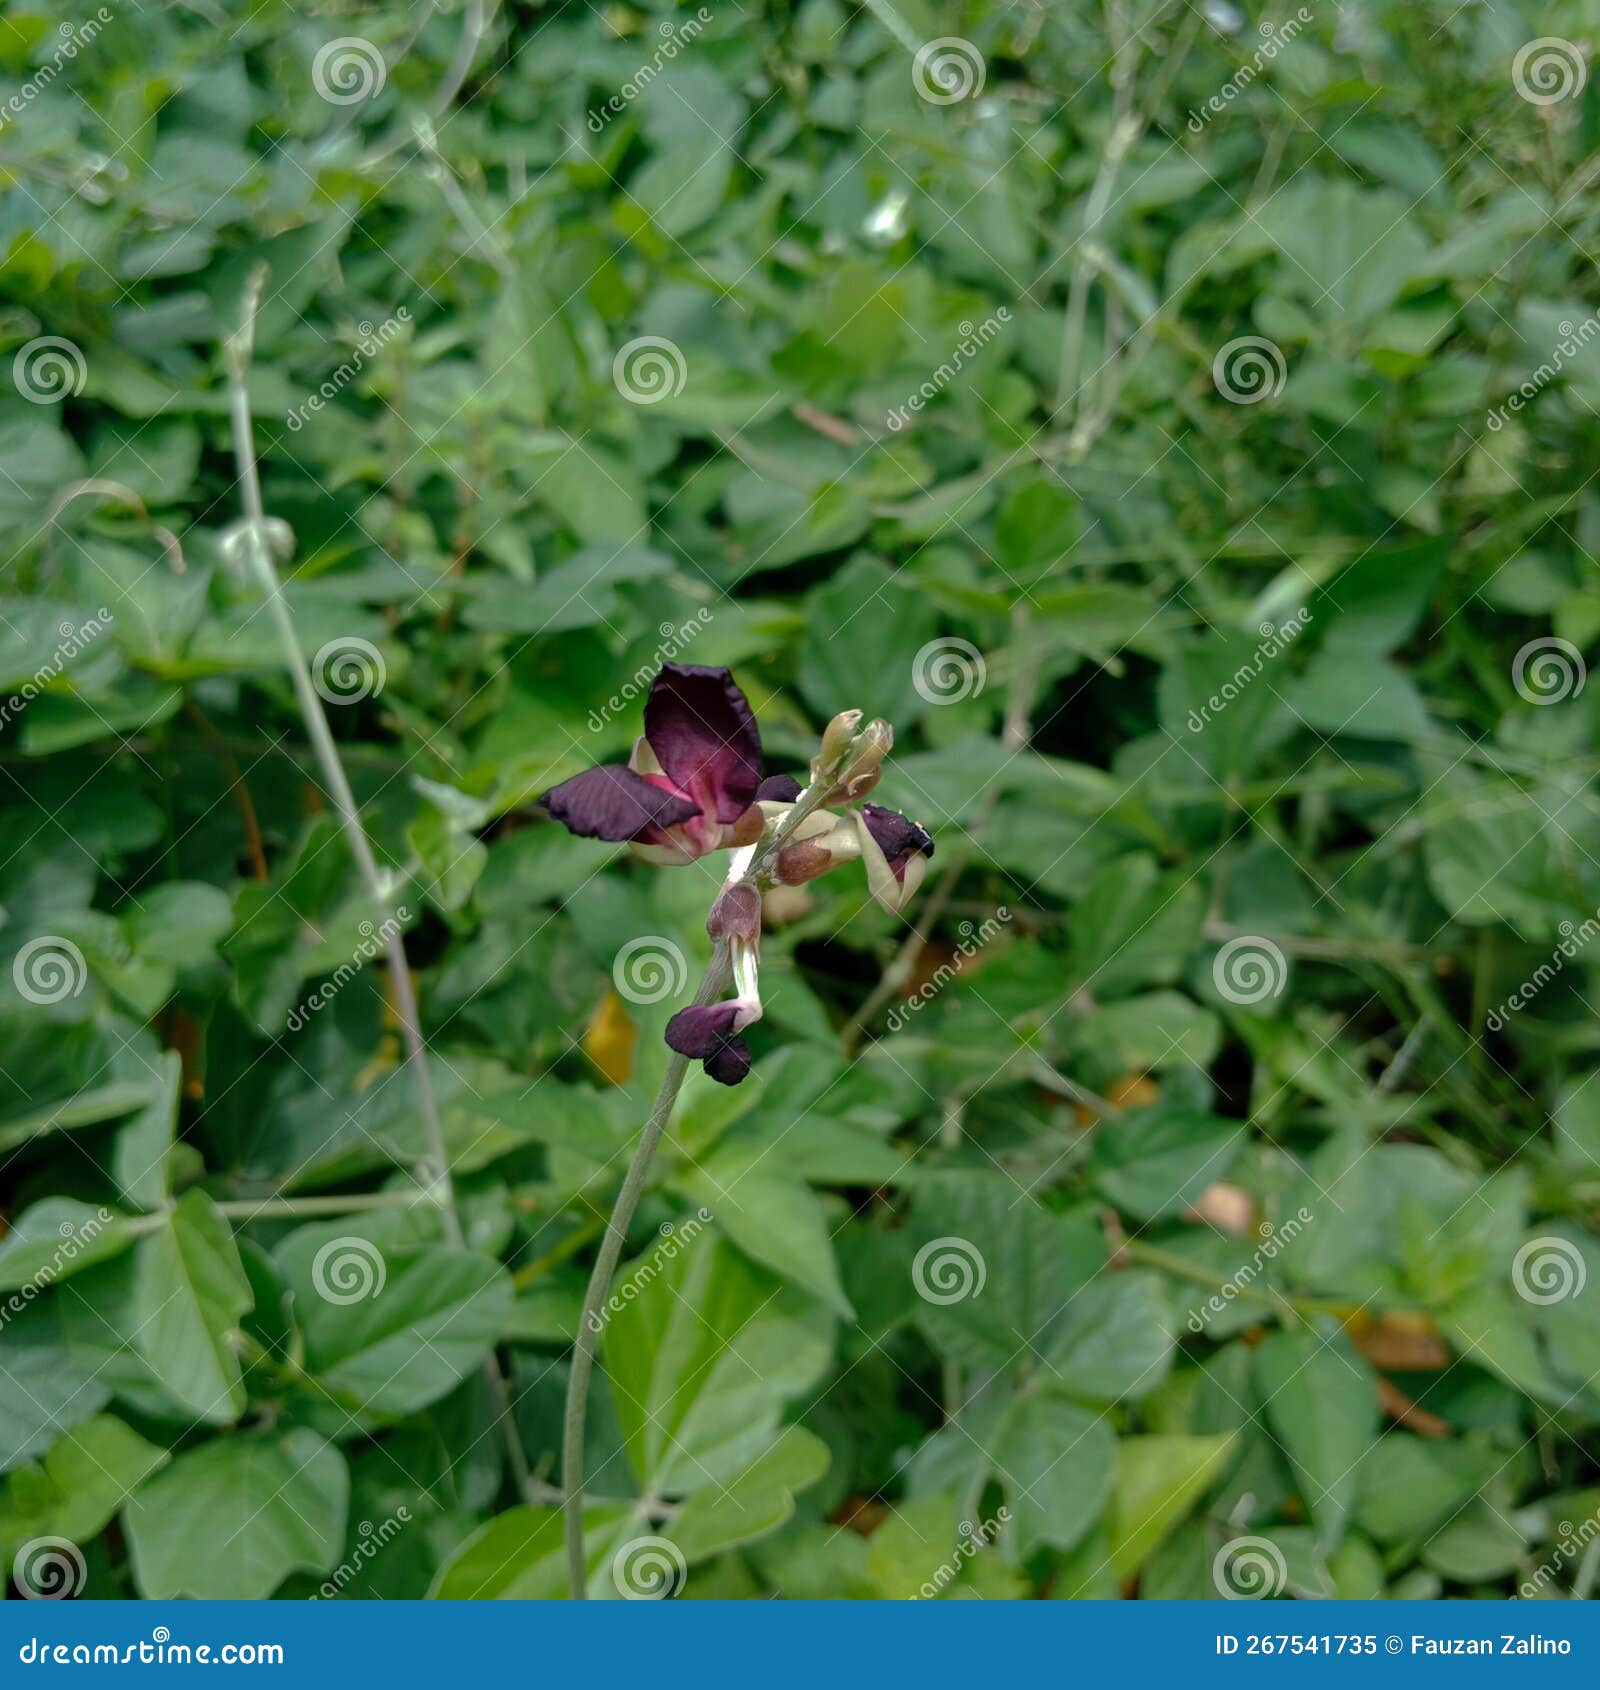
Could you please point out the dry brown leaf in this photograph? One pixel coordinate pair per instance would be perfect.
(1404, 1412)
(859, 1514)
(1402, 1342)
(1132, 1090)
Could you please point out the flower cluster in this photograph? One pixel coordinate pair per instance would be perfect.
(693, 785)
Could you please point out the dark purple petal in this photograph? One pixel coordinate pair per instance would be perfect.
(706, 1031)
(729, 1065)
(778, 789)
(705, 738)
(614, 803)
(703, 1028)
(896, 836)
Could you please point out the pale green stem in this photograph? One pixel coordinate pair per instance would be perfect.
(292, 1208)
(713, 984)
(238, 352)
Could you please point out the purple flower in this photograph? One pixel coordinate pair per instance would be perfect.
(693, 785)
(895, 852)
(691, 781)
(711, 1033)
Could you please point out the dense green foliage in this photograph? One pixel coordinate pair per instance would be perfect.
(1215, 1189)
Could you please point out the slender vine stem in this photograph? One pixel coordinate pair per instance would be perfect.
(258, 550)
(713, 983)
(305, 1208)
(1181, 1268)
(257, 545)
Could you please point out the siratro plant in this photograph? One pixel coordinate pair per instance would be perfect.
(692, 786)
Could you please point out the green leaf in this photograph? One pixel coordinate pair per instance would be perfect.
(1158, 1480)
(519, 1556)
(578, 592)
(144, 1143)
(85, 1477)
(755, 1502)
(1409, 1484)
(918, 1552)
(864, 631)
(389, 1328)
(1054, 1460)
(1477, 1544)
(185, 1527)
(45, 1387)
(1322, 1403)
(1134, 927)
(56, 1238)
(1149, 1034)
(702, 1349)
(1154, 1162)
(1115, 1339)
(1495, 1330)
(190, 1295)
(1036, 527)
(775, 1219)
(995, 1274)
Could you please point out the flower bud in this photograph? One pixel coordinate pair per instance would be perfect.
(836, 738)
(895, 851)
(862, 773)
(799, 863)
(736, 914)
(820, 842)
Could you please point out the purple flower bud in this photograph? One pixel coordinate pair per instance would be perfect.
(709, 1032)
(895, 850)
(736, 914)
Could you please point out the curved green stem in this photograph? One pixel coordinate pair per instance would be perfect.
(712, 985)
(238, 351)
(719, 971)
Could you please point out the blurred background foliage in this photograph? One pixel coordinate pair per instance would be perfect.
(1391, 813)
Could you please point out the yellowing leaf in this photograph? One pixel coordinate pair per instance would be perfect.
(609, 1040)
